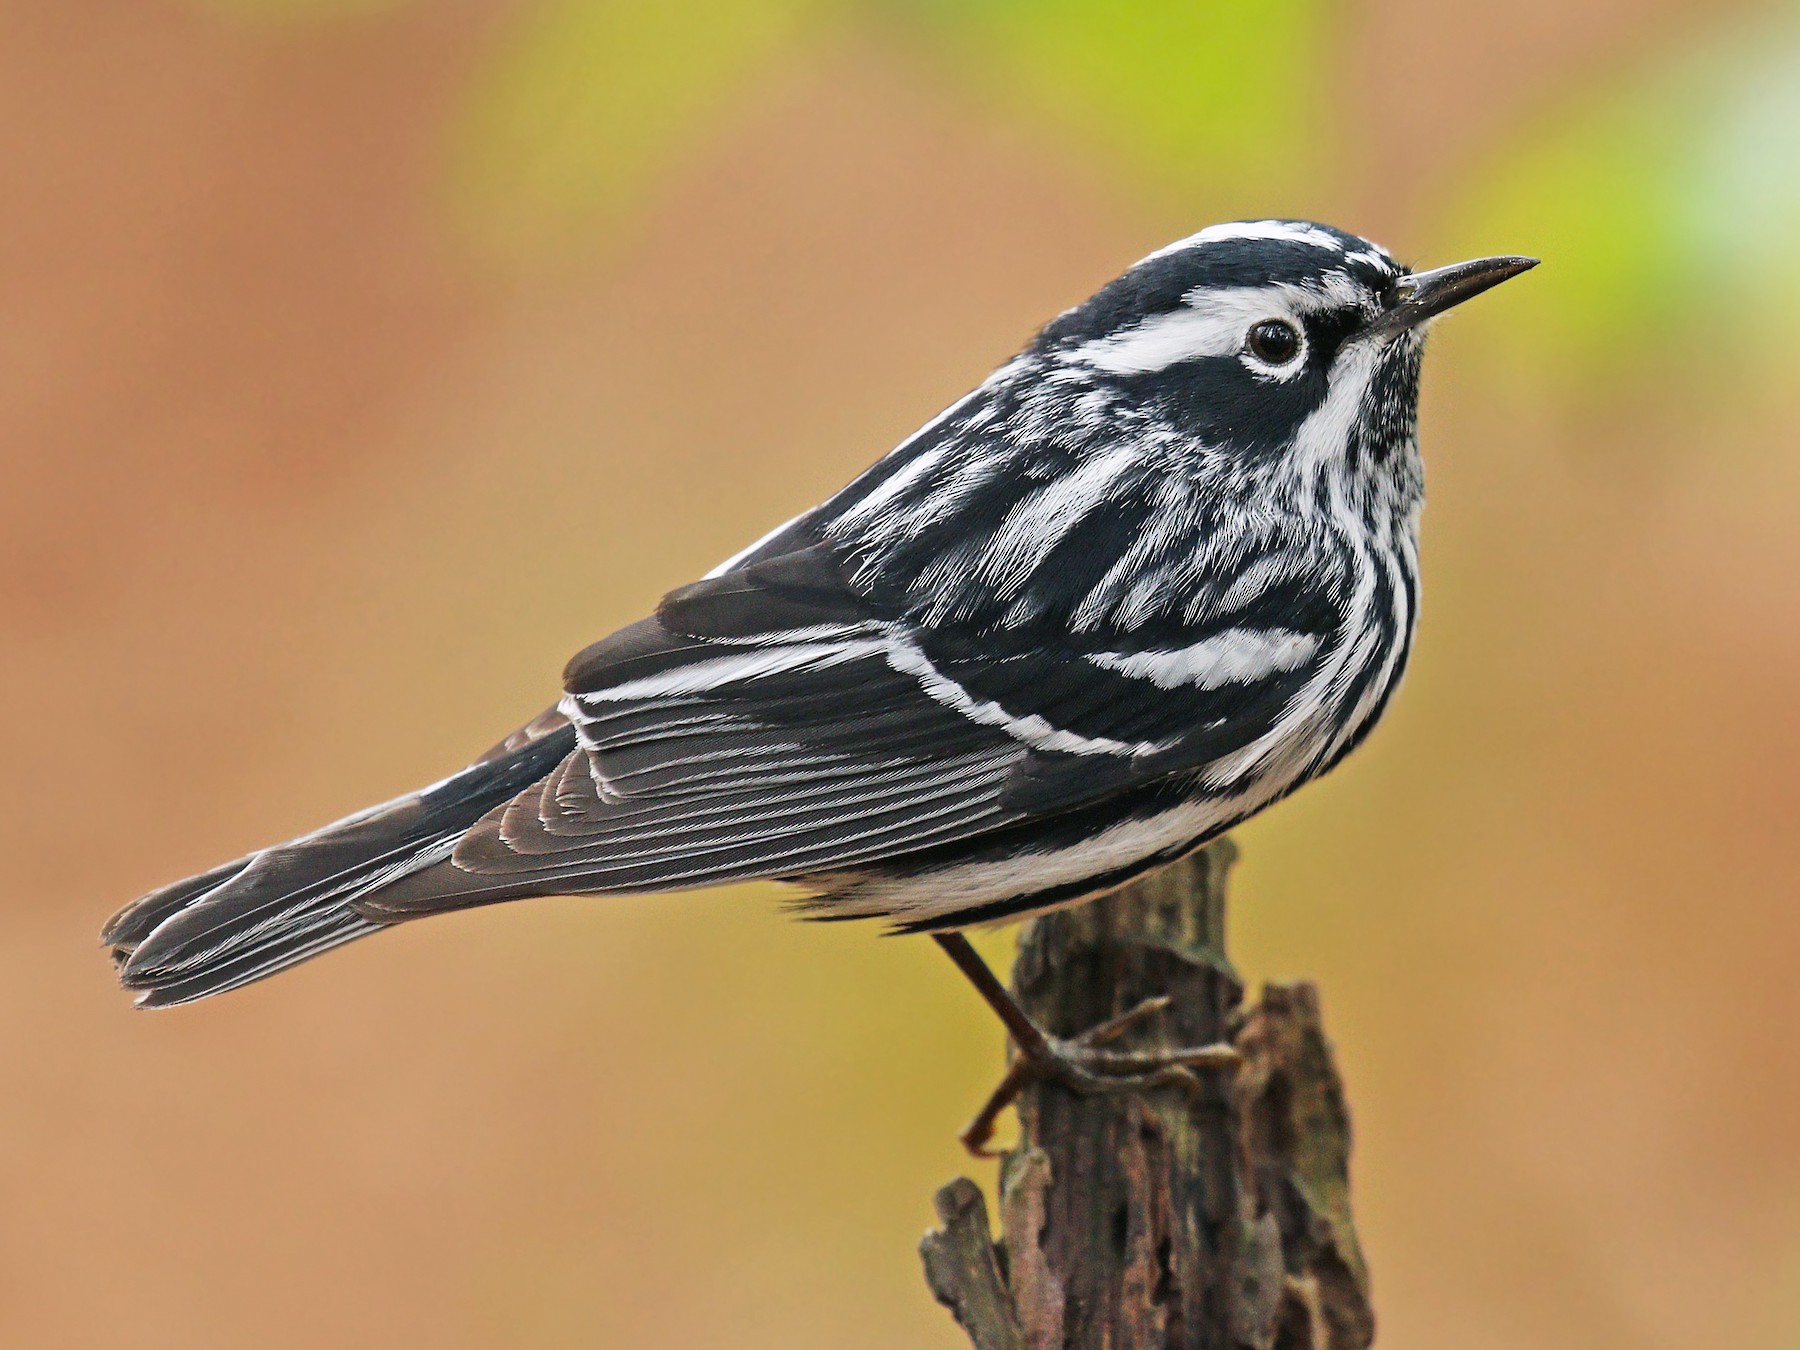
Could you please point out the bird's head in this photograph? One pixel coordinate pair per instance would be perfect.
(1276, 343)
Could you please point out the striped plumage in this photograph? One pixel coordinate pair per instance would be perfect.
(1152, 575)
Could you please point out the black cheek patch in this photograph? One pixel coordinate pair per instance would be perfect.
(1219, 400)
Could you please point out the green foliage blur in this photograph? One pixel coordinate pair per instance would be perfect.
(1664, 192)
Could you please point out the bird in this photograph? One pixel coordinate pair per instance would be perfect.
(1156, 572)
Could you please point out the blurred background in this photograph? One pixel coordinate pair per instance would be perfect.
(361, 359)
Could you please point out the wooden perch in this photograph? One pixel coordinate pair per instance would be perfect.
(1219, 1221)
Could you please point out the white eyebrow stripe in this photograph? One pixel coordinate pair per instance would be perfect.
(1166, 340)
(1212, 322)
(1235, 656)
(1209, 323)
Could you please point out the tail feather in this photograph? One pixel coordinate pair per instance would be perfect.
(275, 951)
(139, 919)
(273, 909)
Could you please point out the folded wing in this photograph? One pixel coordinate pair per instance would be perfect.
(773, 721)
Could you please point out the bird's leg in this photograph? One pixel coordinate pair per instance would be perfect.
(1083, 1064)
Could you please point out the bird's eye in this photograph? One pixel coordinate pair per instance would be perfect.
(1274, 342)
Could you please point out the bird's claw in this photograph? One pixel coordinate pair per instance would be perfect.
(1085, 1065)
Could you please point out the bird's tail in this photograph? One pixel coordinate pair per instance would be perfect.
(267, 911)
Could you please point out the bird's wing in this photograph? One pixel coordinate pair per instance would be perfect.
(1112, 710)
(773, 721)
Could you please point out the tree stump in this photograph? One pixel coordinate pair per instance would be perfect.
(1214, 1221)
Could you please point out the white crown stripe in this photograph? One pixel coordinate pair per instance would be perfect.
(1286, 231)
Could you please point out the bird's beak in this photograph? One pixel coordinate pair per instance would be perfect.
(1425, 295)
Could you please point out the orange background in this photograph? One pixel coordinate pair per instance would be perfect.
(334, 417)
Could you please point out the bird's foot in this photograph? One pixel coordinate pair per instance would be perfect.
(1087, 1065)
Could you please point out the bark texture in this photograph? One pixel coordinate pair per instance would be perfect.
(1217, 1221)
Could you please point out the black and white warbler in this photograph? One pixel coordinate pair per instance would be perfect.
(1155, 573)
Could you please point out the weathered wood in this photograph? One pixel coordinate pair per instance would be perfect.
(1218, 1220)
(963, 1272)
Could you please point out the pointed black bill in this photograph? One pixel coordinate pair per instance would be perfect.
(1425, 295)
